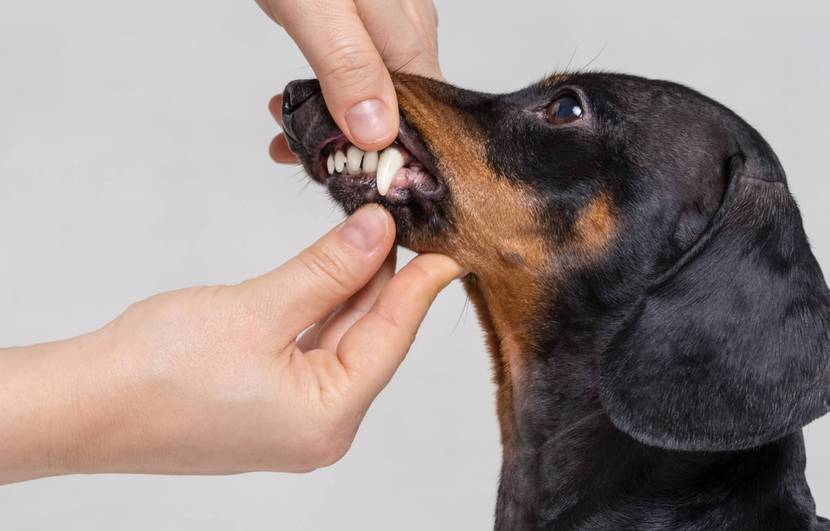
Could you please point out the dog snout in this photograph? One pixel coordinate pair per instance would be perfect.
(297, 117)
(298, 92)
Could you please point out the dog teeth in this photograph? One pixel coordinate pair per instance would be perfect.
(339, 161)
(354, 157)
(370, 162)
(354, 161)
(390, 161)
(330, 164)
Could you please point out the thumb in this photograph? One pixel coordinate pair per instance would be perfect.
(309, 286)
(355, 82)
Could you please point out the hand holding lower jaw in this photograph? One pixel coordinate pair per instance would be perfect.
(222, 379)
(215, 379)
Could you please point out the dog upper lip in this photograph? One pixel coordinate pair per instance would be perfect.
(413, 142)
(408, 138)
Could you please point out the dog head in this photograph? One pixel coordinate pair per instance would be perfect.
(638, 204)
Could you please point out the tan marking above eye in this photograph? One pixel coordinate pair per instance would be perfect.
(596, 225)
(553, 80)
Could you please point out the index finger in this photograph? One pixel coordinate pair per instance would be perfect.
(355, 82)
(376, 345)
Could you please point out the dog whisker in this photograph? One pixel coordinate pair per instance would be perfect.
(570, 61)
(461, 316)
(407, 63)
(594, 58)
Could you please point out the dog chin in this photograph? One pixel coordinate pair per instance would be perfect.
(420, 225)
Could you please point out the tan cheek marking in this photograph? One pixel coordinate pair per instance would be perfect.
(495, 217)
(498, 235)
(595, 227)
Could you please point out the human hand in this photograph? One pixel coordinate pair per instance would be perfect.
(215, 379)
(352, 46)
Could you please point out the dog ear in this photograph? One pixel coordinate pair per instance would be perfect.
(729, 348)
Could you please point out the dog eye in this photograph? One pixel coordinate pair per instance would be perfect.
(564, 110)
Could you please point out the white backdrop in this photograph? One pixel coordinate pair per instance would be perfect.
(133, 159)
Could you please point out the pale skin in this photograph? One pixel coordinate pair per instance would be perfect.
(274, 373)
(352, 46)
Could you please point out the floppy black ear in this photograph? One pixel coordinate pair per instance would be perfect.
(729, 348)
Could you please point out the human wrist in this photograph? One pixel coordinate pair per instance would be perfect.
(56, 409)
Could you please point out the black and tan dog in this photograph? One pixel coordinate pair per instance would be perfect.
(657, 321)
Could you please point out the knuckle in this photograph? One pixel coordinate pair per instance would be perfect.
(386, 315)
(424, 280)
(324, 448)
(332, 451)
(424, 275)
(327, 268)
(351, 66)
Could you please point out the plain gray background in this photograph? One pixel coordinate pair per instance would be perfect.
(133, 159)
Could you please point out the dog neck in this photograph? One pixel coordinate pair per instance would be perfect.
(564, 463)
(503, 303)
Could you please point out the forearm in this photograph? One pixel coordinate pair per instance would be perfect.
(46, 419)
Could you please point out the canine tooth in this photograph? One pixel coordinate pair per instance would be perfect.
(390, 161)
(339, 161)
(354, 156)
(370, 162)
(330, 164)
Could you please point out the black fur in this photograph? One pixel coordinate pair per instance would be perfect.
(669, 378)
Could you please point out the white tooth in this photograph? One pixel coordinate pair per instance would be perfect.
(390, 161)
(370, 162)
(354, 156)
(339, 161)
(330, 164)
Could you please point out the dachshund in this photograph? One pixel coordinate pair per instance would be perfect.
(657, 322)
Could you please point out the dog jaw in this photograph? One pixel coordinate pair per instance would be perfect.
(496, 233)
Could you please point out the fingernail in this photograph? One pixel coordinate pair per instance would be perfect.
(369, 121)
(365, 229)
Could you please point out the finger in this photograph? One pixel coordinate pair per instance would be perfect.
(275, 107)
(306, 288)
(374, 347)
(327, 333)
(355, 82)
(265, 5)
(342, 320)
(408, 40)
(280, 152)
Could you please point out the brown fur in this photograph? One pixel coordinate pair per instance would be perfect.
(565, 229)
(502, 241)
(596, 226)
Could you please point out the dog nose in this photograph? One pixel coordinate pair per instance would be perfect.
(298, 92)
